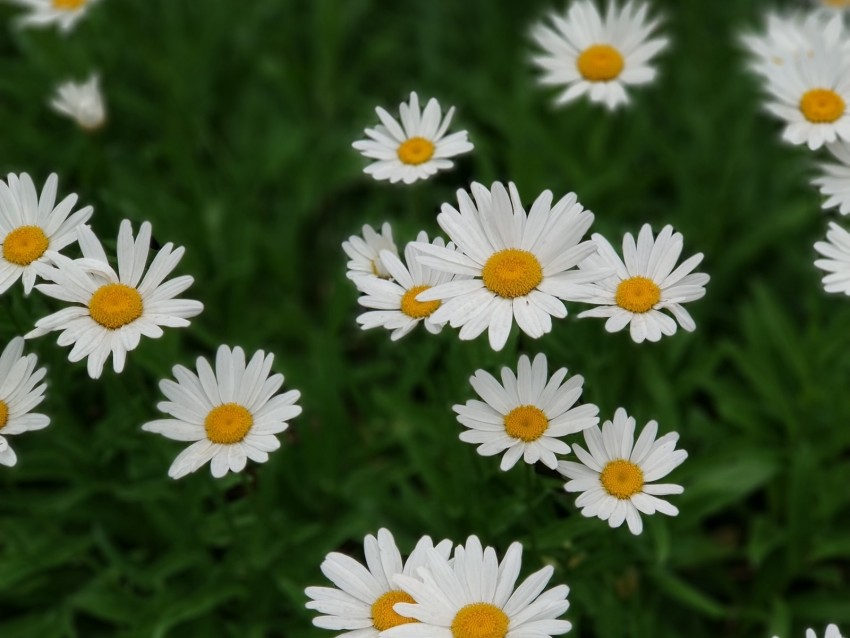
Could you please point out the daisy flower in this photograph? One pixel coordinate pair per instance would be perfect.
(231, 414)
(362, 603)
(526, 414)
(364, 253)
(475, 597)
(834, 182)
(812, 93)
(517, 263)
(615, 476)
(116, 309)
(643, 285)
(395, 301)
(63, 13)
(415, 149)
(832, 5)
(34, 229)
(20, 392)
(783, 38)
(83, 103)
(598, 55)
(837, 263)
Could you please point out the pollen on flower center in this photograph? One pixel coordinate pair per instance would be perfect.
(512, 273)
(526, 422)
(115, 305)
(228, 423)
(416, 150)
(600, 63)
(68, 5)
(480, 620)
(417, 309)
(4, 414)
(384, 616)
(822, 106)
(24, 245)
(637, 294)
(622, 479)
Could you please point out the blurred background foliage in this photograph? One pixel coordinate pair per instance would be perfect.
(230, 125)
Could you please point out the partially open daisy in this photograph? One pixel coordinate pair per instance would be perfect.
(834, 181)
(21, 391)
(526, 414)
(812, 93)
(34, 229)
(643, 284)
(415, 149)
(364, 252)
(231, 414)
(519, 265)
(395, 301)
(63, 13)
(116, 309)
(836, 249)
(81, 102)
(616, 474)
(362, 604)
(476, 597)
(598, 55)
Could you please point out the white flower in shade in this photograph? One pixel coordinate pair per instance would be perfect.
(598, 55)
(83, 103)
(34, 229)
(63, 13)
(526, 414)
(415, 149)
(616, 473)
(395, 301)
(231, 414)
(837, 263)
(834, 182)
(116, 309)
(362, 604)
(475, 597)
(519, 265)
(20, 392)
(643, 285)
(812, 92)
(365, 253)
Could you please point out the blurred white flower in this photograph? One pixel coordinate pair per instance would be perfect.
(836, 249)
(63, 13)
(834, 182)
(81, 102)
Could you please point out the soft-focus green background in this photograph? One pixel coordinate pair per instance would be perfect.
(230, 130)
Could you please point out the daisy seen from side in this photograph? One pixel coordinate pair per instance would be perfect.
(33, 228)
(82, 102)
(644, 282)
(517, 265)
(596, 54)
(834, 180)
(21, 390)
(115, 309)
(364, 253)
(526, 414)
(362, 603)
(230, 414)
(414, 149)
(476, 597)
(616, 473)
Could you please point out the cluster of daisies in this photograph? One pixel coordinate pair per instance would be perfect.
(230, 413)
(803, 62)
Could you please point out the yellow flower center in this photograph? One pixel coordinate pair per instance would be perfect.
(512, 273)
(480, 620)
(384, 616)
(622, 479)
(417, 309)
(228, 423)
(68, 5)
(416, 150)
(637, 294)
(24, 245)
(115, 305)
(4, 414)
(836, 4)
(822, 106)
(600, 63)
(527, 423)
